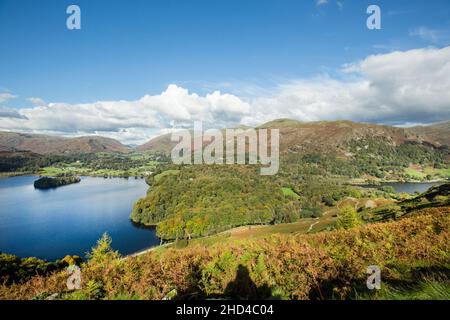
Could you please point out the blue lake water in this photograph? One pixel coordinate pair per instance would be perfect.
(407, 187)
(50, 224)
(411, 188)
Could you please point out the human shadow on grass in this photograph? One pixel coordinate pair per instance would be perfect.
(241, 288)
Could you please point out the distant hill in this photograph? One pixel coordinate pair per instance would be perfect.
(45, 144)
(280, 123)
(439, 132)
(159, 144)
(332, 137)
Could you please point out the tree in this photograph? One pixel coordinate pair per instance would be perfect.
(348, 218)
(102, 253)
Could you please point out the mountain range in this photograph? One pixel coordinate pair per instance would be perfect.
(295, 136)
(332, 136)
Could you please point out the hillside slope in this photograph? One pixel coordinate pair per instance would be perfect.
(437, 196)
(44, 144)
(332, 137)
(337, 137)
(160, 144)
(439, 132)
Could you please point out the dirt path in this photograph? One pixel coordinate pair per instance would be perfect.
(312, 225)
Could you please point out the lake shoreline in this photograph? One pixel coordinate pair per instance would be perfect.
(72, 200)
(75, 215)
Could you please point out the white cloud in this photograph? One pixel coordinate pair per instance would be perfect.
(395, 88)
(131, 121)
(37, 101)
(5, 96)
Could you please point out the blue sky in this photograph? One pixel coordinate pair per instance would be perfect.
(127, 49)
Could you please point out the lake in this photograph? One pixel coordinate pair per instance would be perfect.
(411, 188)
(50, 224)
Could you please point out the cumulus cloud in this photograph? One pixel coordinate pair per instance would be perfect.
(37, 101)
(130, 121)
(397, 88)
(5, 96)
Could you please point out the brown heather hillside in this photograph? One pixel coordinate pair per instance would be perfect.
(325, 265)
(44, 144)
(330, 137)
(160, 144)
(439, 132)
(333, 137)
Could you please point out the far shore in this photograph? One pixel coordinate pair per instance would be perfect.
(4, 175)
(16, 174)
(381, 182)
(353, 182)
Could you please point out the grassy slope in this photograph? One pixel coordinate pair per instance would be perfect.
(302, 226)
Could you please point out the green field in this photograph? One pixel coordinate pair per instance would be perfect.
(59, 170)
(415, 174)
(290, 193)
(443, 173)
(428, 173)
(105, 165)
